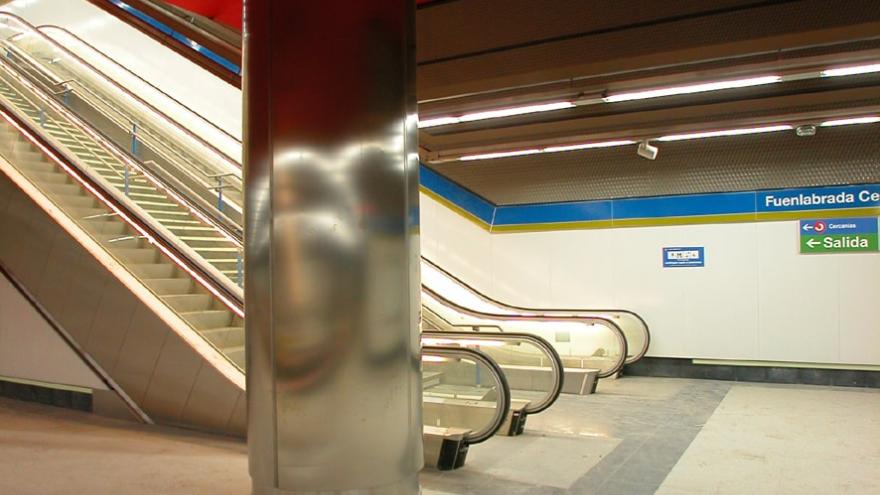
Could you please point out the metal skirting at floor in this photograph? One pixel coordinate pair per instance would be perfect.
(686, 368)
(50, 396)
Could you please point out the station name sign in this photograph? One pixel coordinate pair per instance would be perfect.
(832, 197)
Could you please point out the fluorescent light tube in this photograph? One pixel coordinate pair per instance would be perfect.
(586, 146)
(502, 154)
(692, 88)
(495, 114)
(438, 121)
(728, 132)
(857, 120)
(509, 112)
(850, 71)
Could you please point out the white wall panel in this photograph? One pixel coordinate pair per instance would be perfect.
(722, 298)
(521, 269)
(30, 349)
(427, 226)
(462, 247)
(582, 268)
(860, 308)
(799, 298)
(659, 295)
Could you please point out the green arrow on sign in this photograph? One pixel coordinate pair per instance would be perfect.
(839, 243)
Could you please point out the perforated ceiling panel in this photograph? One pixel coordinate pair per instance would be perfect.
(841, 155)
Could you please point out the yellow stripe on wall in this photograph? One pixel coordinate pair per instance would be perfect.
(655, 222)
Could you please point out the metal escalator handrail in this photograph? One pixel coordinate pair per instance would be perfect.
(131, 73)
(539, 342)
(118, 87)
(103, 102)
(503, 402)
(181, 255)
(612, 326)
(550, 311)
(204, 214)
(155, 142)
(99, 104)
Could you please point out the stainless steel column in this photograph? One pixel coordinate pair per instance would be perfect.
(331, 170)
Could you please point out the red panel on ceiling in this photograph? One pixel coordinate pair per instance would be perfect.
(226, 12)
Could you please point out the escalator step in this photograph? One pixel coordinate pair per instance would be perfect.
(170, 286)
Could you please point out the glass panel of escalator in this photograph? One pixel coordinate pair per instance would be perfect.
(581, 343)
(634, 328)
(168, 149)
(533, 369)
(463, 388)
(218, 252)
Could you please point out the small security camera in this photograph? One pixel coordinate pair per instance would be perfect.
(647, 151)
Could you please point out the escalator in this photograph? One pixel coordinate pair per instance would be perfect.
(165, 204)
(169, 276)
(633, 327)
(601, 340)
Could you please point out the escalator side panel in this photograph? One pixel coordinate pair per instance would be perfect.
(114, 324)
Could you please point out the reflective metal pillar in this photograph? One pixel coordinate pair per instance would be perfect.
(331, 170)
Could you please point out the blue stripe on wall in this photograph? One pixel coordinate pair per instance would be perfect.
(683, 206)
(582, 211)
(456, 194)
(692, 206)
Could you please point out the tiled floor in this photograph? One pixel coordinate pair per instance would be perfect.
(785, 440)
(636, 436)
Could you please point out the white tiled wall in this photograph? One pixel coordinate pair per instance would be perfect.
(30, 349)
(756, 299)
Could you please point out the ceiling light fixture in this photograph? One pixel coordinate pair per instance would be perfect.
(496, 114)
(586, 146)
(549, 149)
(650, 152)
(851, 71)
(726, 132)
(502, 154)
(648, 94)
(858, 120)
(692, 88)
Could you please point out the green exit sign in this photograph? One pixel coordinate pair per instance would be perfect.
(839, 235)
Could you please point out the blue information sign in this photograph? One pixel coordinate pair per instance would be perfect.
(677, 257)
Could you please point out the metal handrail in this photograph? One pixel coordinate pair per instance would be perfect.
(107, 59)
(613, 327)
(534, 407)
(232, 234)
(113, 83)
(503, 401)
(113, 114)
(162, 232)
(554, 311)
